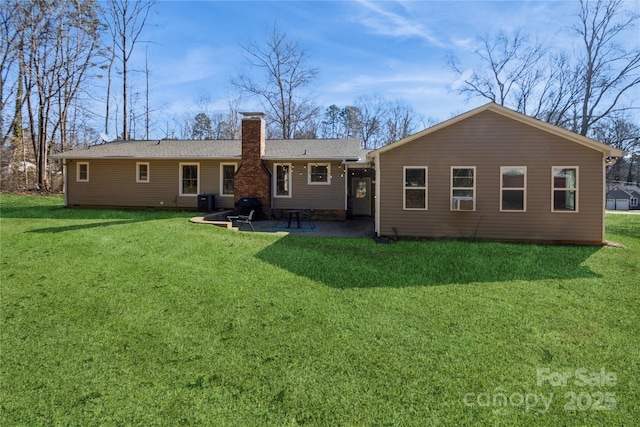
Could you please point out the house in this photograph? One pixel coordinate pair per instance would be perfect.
(282, 174)
(493, 174)
(623, 197)
(634, 190)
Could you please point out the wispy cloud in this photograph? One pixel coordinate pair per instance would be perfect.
(389, 23)
(192, 65)
(371, 83)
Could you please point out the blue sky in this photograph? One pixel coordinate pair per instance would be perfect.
(361, 47)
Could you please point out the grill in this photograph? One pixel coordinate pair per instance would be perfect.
(247, 204)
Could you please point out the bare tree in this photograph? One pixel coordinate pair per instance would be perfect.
(227, 125)
(57, 47)
(572, 91)
(401, 121)
(309, 129)
(372, 110)
(351, 118)
(507, 72)
(79, 40)
(558, 93)
(206, 122)
(608, 70)
(9, 47)
(619, 131)
(373, 119)
(341, 122)
(331, 124)
(281, 87)
(126, 20)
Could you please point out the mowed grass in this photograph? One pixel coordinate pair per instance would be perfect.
(142, 318)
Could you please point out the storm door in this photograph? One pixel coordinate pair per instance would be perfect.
(361, 196)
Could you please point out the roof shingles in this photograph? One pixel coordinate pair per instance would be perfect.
(348, 149)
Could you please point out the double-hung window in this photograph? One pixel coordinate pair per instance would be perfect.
(319, 173)
(565, 189)
(415, 187)
(142, 172)
(227, 177)
(282, 178)
(463, 188)
(513, 189)
(82, 172)
(189, 179)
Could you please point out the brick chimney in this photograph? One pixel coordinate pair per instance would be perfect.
(253, 178)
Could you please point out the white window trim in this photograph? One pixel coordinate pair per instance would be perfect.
(405, 188)
(554, 189)
(524, 189)
(146, 181)
(633, 201)
(78, 179)
(475, 181)
(180, 180)
(328, 165)
(222, 165)
(275, 180)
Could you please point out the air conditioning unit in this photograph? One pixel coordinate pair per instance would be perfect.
(462, 204)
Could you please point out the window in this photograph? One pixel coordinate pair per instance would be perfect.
(82, 172)
(415, 187)
(513, 184)
(565, 189)
(282, 177)
(319, 173)
(463, 188)
(189, 179)
(227, 177)
(142, 172)
(633, 201)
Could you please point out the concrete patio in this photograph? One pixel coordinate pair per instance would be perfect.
(359, 227)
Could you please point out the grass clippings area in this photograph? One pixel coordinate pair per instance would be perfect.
(141, 318)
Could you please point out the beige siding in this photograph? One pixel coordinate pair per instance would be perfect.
(112, 182)
(489, 141)
(313, 196)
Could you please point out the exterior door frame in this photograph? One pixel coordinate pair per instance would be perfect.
(364, 172)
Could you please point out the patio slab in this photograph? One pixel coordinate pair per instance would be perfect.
(359, 227)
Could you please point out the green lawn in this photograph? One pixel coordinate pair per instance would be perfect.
(142, 318)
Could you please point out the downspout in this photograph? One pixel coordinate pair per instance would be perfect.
(376, 166)
(346, 188)
(65, 176)
(604, 195)
(270, 175)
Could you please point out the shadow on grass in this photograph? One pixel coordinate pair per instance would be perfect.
(82, 226)
(361, 263)
(51, 207)
(626, 225)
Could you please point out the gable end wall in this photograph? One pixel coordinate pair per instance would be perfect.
(489, 141)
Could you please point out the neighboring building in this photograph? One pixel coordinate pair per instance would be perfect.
(282, 174)
(634, 190)
(623, 197)
(494, 174)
